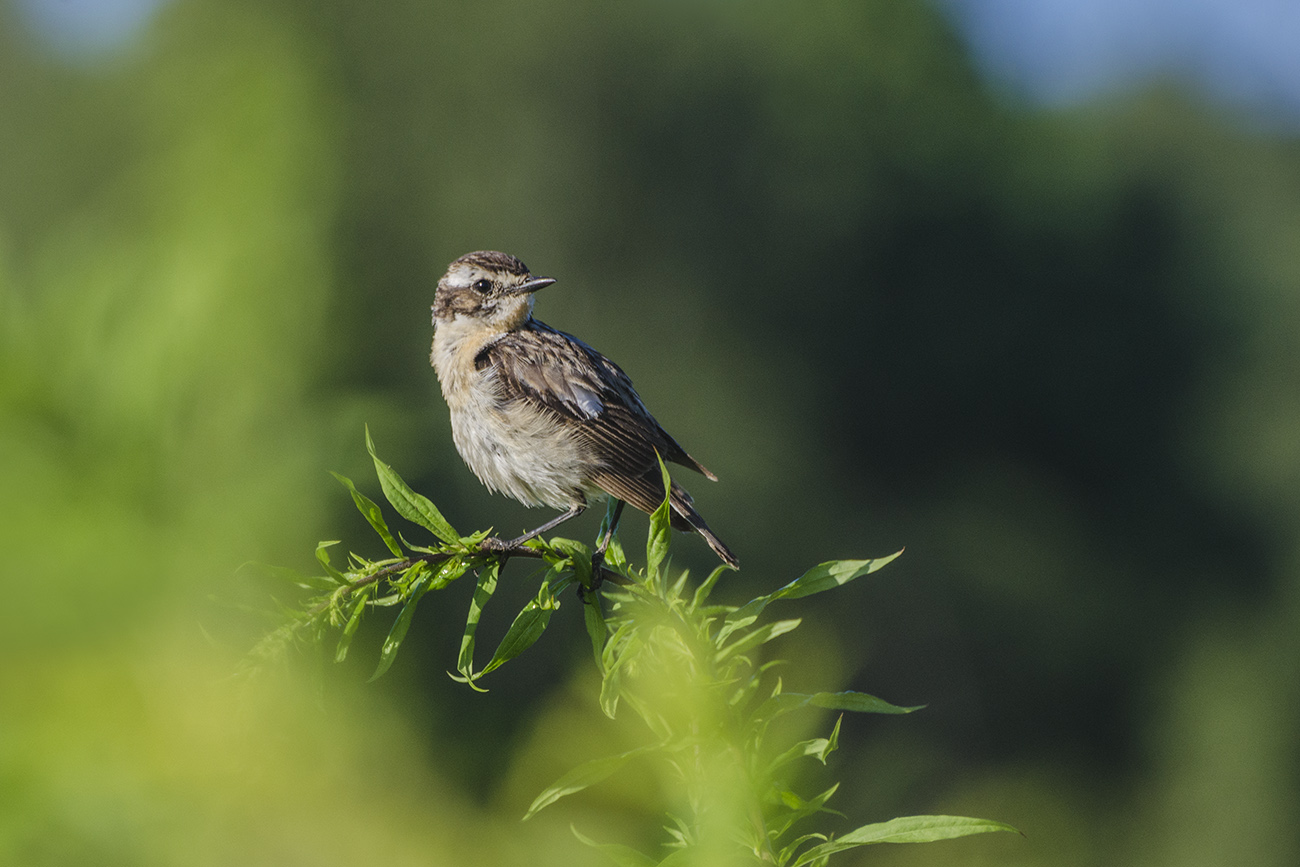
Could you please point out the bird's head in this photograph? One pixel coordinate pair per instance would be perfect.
(492, 289)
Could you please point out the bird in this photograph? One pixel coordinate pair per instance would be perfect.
(539, 415)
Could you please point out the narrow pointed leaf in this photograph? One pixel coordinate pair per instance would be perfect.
(656, 546)
(368, 508)
(830, 575)
(584, 775)
(414, 507)
(397, 633)
(350, 628)
(761, 635)
(818, 748)
(831, 743)
(800, 809)
(702, 592)
(859, 702)
(323, 557)
(907, 829)
(621, 647)
(825, 576)
(527, 627)
(483, 590)
(785, 854)
(594, 619)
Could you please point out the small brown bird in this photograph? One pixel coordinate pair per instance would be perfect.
(541, 416)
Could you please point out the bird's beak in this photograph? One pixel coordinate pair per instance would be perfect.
(532, 285)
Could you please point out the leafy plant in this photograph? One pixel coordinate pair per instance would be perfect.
(685, 666)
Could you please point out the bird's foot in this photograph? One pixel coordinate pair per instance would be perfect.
(493, 545)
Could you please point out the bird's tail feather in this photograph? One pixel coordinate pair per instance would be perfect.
(684, 517)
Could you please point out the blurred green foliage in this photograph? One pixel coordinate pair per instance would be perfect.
(1054, 354)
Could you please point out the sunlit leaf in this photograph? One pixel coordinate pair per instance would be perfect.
(907, 829)
(830, 575)
(788, 852)
(798, 808)
(397, 633)
(761, 635)
(657, 542)
(414, 507)
(621, 647)
(323, 557)
(368, 508)
(819, 748)
(594, 619)
(350, 628)
(527, 627)
(483, 590)
(702, 592)
(579, 556)
(825, 576)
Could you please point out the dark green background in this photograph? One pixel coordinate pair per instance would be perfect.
(1052, 353)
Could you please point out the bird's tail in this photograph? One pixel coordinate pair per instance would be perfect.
(684, 517)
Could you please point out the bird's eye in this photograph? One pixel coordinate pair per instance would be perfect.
(482, 286)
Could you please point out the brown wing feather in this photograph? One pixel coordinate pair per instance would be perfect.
(560, 373)
(585, 390)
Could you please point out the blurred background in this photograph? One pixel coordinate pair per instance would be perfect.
(1012, 283)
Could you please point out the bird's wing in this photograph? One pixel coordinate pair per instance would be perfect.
(564, 376)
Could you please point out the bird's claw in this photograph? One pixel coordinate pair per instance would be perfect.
(494, 545)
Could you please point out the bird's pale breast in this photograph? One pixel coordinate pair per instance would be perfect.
(511, 445)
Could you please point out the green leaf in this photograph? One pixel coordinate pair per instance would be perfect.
(787, 853)
(578, 555)
(584, 775)
(825, 576)
(624, 856)
(907, 829)
(370, 510)
(323, 557)
(859, 702)
(797, 809)
(832, 743)
(483, 590)
(818, 748)
(403, 622)
(830, 575)
(527, 627)
(594, 619)
(349, 629)
(448, 572)
(656, 545)
(622, 647)
(754, 638)
(702, 592)
(414, 507)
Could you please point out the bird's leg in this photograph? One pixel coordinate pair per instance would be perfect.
(598, 557)
(494, 544)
